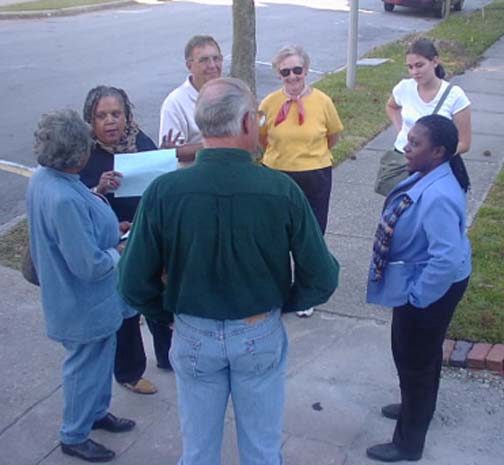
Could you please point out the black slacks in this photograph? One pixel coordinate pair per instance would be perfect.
(130, 360)
(316, 185)
(417, 347)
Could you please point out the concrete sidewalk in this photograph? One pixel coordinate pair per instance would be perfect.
(340, 368)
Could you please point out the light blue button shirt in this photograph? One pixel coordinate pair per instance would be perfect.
(73, 235)
(430, 249)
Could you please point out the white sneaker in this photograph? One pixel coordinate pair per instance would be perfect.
(305, 313)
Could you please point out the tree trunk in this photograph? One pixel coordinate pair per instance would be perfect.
(244, 42)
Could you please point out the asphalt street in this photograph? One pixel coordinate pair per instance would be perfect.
(51, 63)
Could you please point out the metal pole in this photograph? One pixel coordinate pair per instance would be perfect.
(353, 28)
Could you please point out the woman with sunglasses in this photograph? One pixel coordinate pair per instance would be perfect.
(302, 125)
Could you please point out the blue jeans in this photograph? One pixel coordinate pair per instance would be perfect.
(214, 359)
(87, 387)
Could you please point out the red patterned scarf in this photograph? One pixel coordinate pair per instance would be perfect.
(383, 236)
(284, 109)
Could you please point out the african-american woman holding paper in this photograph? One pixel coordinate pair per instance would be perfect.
(109, 112)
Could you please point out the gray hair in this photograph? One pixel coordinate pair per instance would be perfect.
(61, 140)
(222, 103)
(199, 41)
(289, 51)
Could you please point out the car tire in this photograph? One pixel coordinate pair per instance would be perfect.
(388, 6)
(459, 5)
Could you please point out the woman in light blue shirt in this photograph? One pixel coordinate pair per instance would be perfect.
(420, 267)
(74, 242)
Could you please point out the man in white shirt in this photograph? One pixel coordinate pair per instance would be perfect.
(177, 126)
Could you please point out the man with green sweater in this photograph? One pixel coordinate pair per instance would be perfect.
(213, 244)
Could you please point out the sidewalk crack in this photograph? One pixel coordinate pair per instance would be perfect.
(28, 410)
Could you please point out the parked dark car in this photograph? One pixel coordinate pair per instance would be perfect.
(439, 6)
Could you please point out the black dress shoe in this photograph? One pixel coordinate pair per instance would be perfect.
(88, 450)
(113, 424)
(390, 453)
(391, 411)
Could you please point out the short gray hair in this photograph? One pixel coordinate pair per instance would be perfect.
(62, 138)
(199, 41)
(221, 106)
(289, 51)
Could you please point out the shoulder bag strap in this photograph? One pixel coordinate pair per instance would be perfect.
(443, 98)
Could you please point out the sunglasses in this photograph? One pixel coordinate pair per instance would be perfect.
(297, 70)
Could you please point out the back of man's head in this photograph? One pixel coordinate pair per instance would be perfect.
(199, 41)
(221, 107)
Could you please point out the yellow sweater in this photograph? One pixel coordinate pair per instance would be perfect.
(294, 147)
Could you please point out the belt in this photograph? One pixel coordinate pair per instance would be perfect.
(251, 320)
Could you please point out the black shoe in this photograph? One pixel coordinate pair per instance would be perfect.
(113, 424)
(391, 411)
(390, 453)
(88, 450)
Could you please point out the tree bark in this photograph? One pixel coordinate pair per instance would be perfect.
(244, 42)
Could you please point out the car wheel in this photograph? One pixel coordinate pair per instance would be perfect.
(388, 6)
(458, 6)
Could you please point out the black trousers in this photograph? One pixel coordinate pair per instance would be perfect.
(417, 347)
(130, 360)
(316, 185)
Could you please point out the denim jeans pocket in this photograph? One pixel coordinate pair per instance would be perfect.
(264, 352)
(184, 353)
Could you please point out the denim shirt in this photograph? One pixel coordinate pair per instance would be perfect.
(430, 249)
(73, 235)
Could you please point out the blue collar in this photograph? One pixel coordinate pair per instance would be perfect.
(59, 173)
(415, 185)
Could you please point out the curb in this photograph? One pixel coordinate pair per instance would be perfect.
(70, 11)
(477, 356)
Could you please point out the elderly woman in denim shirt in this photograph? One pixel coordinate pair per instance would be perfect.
(420, 267)
(74, 242)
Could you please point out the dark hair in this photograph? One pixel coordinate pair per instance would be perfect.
(443, 132)
(199, 41)
(97, 93)
(427, 49)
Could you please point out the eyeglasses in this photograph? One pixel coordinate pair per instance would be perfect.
(205, 60)
(259, 115)
(297, 70)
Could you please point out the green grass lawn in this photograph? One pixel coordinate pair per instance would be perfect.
(41, 5)
(13, 245)
(480, 315)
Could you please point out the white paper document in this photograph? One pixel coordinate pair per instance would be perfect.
(140, 169)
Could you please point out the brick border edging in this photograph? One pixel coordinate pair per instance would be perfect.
(479, 355)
